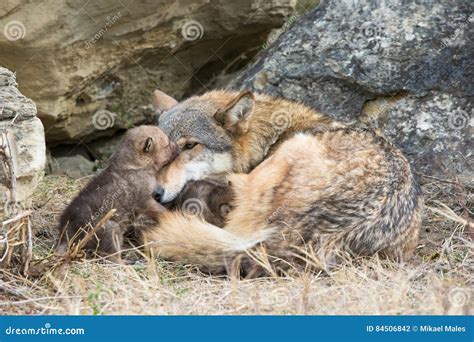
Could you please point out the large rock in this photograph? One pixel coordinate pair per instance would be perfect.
(435, 132)
(73, 161)
(25, 134)
(91, 66)
(413, 57)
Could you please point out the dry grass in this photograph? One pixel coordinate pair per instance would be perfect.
(437, 280)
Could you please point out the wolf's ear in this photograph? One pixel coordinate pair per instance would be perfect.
(162, 102)
(234, 116)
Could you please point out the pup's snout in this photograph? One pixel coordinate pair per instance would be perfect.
(158, 193)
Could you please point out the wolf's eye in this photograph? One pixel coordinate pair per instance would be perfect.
(189, 145)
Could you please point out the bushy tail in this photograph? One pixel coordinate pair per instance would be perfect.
(191, 240)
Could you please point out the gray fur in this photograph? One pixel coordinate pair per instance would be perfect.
(188, 119)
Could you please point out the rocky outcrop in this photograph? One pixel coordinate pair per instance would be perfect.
(404, 66)
(91, 66)
(26, 144)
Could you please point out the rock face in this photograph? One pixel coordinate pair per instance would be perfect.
(91, 66)
(25, 134)
(404, 66)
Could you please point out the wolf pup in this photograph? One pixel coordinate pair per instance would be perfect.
(212, 201)
(126, 185)
(305, 182)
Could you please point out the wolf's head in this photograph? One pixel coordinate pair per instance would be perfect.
(205, 128)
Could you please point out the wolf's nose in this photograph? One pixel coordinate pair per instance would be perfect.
(158, 193)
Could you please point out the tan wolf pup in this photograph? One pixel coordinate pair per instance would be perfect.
(312, 184)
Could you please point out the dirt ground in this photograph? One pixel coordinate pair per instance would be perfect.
(439, 278)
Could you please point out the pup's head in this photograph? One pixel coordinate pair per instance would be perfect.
(145, 147)
(211, 200)
(205, 129)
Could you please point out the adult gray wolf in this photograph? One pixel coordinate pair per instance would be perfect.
(302, 182)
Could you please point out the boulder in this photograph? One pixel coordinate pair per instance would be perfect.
(25, 134)
(404, 66)
(435, 132)
(75, 166)
(91, 66)
(73, 161)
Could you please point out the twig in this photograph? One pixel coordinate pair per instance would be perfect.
(449, 214)
(16, 218)
(435, 178)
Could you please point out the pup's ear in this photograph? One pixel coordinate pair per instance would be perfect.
(148, 145)
(234, 116)
(162, 102)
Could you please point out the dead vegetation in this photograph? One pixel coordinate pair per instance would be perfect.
(437, 280)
